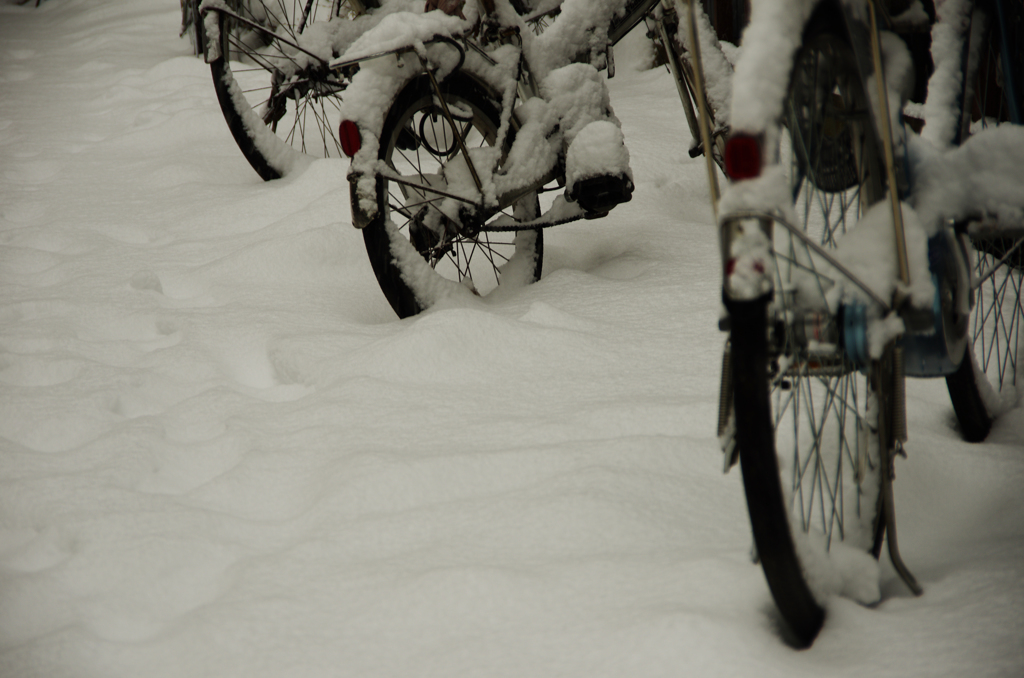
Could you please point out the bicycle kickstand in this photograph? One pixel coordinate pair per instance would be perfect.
(897, 435)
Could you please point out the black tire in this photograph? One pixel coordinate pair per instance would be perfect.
(991, 365)
(755, 438)
(411, 244)
(807, 422)
(274, 97)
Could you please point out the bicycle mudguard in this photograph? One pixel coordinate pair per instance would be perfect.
(747, 258)
(361, 218)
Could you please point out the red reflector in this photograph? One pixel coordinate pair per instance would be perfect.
(348, 134)
(742, 157)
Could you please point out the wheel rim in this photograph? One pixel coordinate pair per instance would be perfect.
(424, 150)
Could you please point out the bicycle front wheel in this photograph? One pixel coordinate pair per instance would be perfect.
(417, 241)
(272, 83)
(808, 423)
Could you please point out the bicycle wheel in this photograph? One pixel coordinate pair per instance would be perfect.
(278, 99)
(413, 245)
(808, 423)
(995, 326)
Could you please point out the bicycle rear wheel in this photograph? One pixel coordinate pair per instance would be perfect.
(416, 245)
(990, 375)
(275, 91)
(810, 426)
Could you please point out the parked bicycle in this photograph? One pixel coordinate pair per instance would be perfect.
(456, 123)
(825, 320)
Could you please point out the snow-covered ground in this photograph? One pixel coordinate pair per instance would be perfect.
(221, 454)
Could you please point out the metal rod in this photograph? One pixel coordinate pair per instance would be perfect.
(902, 263)
(682, 87)
(702, 106)
(899, 409)
(398, 179)
(890, 528)
(887, 469)
(339, 63)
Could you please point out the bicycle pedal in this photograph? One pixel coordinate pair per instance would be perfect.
(598, 195)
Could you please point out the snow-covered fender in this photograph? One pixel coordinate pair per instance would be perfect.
(361, 218)
(746, 222)
(211, 25)
(762, 72)
(747, 258)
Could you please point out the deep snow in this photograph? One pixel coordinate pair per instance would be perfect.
(221, 454)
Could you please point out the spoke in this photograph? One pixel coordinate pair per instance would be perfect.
(409, 205)
(795, 263)
(262, 59)
(836, 490)
(495, 252)
(417, 167)
(492, 254)
(300, 126)
(993, 323)
(473, 247)
(320, 114)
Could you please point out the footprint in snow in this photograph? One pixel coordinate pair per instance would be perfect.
(147, 280)
(268, 374)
